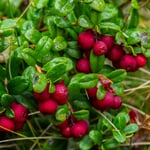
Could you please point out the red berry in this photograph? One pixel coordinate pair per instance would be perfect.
(128, 63)
(66, 132)
(48, 106)
(100, 48)
(61, 94)
(19, 125)
(104, 103)
(140, 60)
(86, 40)
(6, 123)
(79, 129)
(117, 102)
(43, 95)
(20, 112)
(133, 115)
(108, 40)
(92, 92)
(116, 53)
(83, 65)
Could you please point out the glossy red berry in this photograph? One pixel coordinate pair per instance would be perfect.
(7, 123)
(117, 102)
(86, 40)
(79, 129)
(19, 125)
(48, 106)
(66, 132)
(92, 92)
(100, 48)
(116, 53)
(108, 40)
(105, 103)
(140, 60)
(43, 95)
(128, 63)
(83, 65)
(20, 112)
(61, 94)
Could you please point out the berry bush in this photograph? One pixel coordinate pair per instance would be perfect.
(74, 74)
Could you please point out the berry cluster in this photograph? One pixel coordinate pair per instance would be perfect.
(110, 101)
(72, 127)
(17, 122)
(48, 102)
(105, 45)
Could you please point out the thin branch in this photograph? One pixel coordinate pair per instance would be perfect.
(32, 138)
(136, 144)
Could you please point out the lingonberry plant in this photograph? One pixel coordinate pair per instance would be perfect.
(74, 74)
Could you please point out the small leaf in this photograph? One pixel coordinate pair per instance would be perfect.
(119, 136)
(8, 23)
(81, 114)
(131, 128)
(6, 99)
(95, 136)
(59, 44)
(96, 62)
(56, 72)
(86, 143)
(9, 113)
(117, 75)
(109, 25)
(109, 12)
(85, 22)
(39, 82)
(61, 113)
(97, 5)
(33, 35)
(40, 3)
(101, 92)
(111, 144)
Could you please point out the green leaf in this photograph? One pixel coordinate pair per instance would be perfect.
(81, 104)
(6, 99)
(97, 5)
(59, 44)
(95, 136)
(117, 75)
(119, 136)
(109, 12)
(74, 53)
(110, 144)
(64, 7)
(121, 120)
(134, 36)
(96, 62)
(81, 114)
(39, 82)
(131, 128)
(85, 22)
(8, 23)
(109, 25)
(134, 4)
(88, 80)
(40, 3)
(133, 19)
(25, 101)
(61, 22)
(101, 92)
(43, 47)
(9, 113)
(61, 113)
(118, 87)
(57, 60)
(86, 143)
(17, 85)
(33, 35)
(56, 72)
